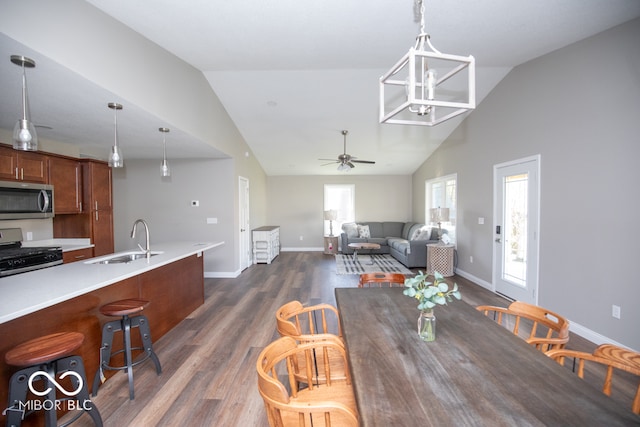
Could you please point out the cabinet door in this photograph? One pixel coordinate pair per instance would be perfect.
(102, 232)
(8, 164)
(97, 186)
(66, 177)
(33, 167)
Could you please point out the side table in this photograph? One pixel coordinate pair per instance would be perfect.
(330, 245)
(440, 259)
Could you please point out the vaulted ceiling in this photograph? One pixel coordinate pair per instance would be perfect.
(293, 74)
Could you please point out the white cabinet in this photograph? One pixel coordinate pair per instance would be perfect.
(266, 243)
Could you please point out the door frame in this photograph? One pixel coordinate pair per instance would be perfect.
(244, 231)
(533, 269)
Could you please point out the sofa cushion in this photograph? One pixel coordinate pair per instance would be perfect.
(401, 245)
(375, 229)
(382, 241)
(364, 232)
(351, 228)
(392, 229)
(406, 229)
(425, 234)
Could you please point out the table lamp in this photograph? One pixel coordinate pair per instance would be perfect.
(331, 215)
(439, 215)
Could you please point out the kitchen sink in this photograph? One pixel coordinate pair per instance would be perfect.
(122, 258)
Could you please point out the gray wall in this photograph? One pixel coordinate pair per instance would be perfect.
(579, 108)
(165, 204)
(295, 203)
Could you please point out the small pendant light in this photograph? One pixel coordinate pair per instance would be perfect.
(24, 133)
(164, 166)
(115, 156)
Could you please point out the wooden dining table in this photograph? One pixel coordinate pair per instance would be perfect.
(476, 373)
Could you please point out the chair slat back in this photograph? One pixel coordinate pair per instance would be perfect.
(548, 330)
(334, 404)
(610, 356)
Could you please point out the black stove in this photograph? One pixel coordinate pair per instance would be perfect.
(14, 258)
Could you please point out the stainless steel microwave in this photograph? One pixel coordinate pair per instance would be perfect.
(23, 200)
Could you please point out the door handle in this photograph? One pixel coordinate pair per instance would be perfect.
(498, 240)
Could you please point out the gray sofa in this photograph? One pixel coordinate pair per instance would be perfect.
(405, 241)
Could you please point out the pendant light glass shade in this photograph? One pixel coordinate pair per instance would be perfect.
(164, 166)
(115, 156)
(24, 132)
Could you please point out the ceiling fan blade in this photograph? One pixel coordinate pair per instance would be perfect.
(351, 165)
(329, 160)
(363, 161)
(330, 163)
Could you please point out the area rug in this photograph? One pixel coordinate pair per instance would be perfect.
(381, 263)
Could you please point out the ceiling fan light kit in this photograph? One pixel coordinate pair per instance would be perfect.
(346, 161)
(427, 87)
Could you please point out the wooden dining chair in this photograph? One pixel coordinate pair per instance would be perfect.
(294, 319)
(609, 356)
(548, 330)
(378, 279)
(309, 324)
(329, 404)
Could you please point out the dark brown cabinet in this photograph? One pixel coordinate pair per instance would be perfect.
(66, 177)
(96, 219)
(23, 166)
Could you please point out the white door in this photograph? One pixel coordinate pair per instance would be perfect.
(516, 189)
(245, 231)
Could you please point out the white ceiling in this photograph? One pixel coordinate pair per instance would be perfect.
(292, 74)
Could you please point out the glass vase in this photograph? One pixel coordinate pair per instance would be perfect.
(427, 325)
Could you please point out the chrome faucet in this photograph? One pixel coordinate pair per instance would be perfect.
(147, 251)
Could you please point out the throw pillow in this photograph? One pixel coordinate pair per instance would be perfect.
(364, 232)
(351, 228)
(415, 234)
(425, 234)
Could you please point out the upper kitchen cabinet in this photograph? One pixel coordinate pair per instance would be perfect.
(96, 185)
(66, 177)
(23, 166)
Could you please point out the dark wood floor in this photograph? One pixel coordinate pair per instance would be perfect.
(209, 359)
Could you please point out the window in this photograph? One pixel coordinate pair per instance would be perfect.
(442, 193)
(342, 199)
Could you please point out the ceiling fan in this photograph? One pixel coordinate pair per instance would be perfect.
(346, 161)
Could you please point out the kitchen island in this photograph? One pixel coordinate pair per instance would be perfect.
(67, 298)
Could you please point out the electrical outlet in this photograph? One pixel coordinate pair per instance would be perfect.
(615, 311)
(471, 259)
(301, 238)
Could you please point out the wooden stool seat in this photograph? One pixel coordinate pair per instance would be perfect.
(124, 307)
(42, 360)
(44, 349)
(129, 311)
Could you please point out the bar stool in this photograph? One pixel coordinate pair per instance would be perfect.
(42, 359)
(125, 308)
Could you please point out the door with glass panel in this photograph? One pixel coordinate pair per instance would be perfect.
(516, 187)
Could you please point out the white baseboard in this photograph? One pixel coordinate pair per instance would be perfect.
(576, 328)
(221, 274)
(475, 279)
(302, 249)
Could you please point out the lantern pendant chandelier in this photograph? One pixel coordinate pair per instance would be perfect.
(115, 156)
(427, 87)
(24, 132)
(164, 166)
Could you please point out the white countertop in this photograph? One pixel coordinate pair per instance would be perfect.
(65, 244)
(26, 293)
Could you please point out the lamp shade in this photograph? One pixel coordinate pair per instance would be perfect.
(439, 215)
(331, 215)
